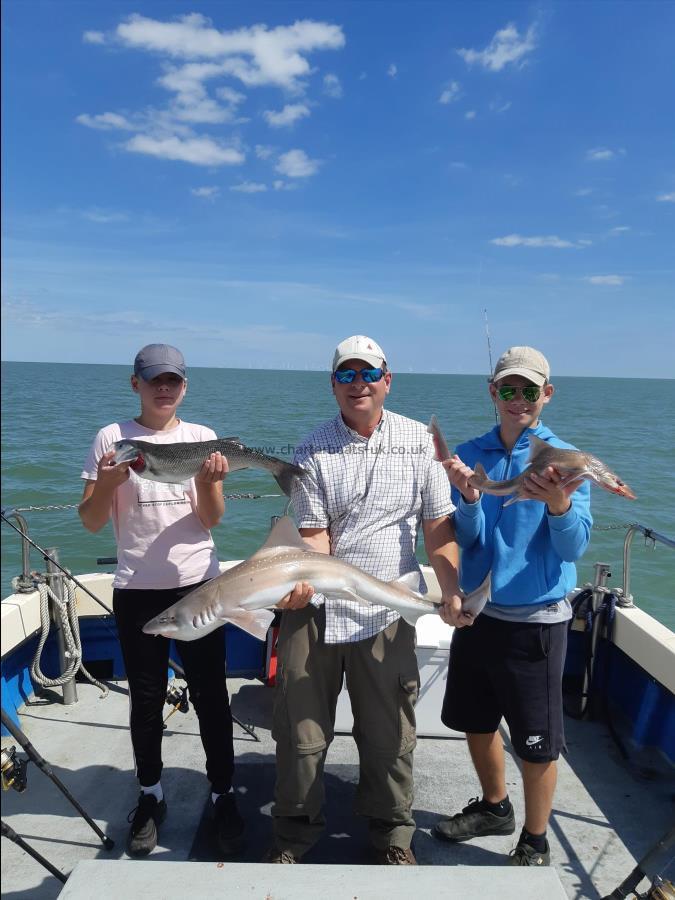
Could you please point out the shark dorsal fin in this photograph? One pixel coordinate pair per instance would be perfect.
(536, 446)
(410, 581)
(284, 534)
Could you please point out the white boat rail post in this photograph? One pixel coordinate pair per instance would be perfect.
(55, 581)
(22, 584)
(624, 594)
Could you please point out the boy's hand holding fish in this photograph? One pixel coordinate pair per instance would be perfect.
(550, 488)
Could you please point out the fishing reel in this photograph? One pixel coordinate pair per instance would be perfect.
(14, 770)
(177, 698)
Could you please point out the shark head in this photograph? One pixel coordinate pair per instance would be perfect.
(164, 625)
(612, 483)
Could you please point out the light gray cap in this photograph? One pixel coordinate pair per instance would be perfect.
(524, 361)
(358, 346)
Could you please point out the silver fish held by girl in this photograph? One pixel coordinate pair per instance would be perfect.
(244, 594)
(175, 463)
(573, 465)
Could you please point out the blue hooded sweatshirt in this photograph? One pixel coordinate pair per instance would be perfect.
(530, 552)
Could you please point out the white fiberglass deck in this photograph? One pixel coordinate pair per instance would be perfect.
(604, 818)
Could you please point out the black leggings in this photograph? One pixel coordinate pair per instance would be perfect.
(146, 659)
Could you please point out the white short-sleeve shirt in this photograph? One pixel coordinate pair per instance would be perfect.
(371, 494)
(161, 543)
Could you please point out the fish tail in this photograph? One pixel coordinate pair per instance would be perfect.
(285, 475)
(479, 476)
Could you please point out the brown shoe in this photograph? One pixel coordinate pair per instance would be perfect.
(395, 856)
(284, 857)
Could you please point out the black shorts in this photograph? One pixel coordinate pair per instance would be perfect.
(511, 670)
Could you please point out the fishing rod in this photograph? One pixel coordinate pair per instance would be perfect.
(8, 832)
(489, 346)
(42, 764)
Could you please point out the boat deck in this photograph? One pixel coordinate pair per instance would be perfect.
(604, 819)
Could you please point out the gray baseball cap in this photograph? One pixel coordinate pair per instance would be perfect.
(525, 361)
(156, 359)
(358, 346)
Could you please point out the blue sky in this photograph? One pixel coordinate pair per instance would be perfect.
(255, 181)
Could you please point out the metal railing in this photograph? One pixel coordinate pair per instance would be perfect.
(624, 594)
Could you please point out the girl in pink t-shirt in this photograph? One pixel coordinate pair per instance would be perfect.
(164, 549)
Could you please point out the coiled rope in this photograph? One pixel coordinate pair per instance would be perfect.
(66, 612)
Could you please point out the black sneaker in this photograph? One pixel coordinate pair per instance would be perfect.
(147, 817)
(280, 857)
(474, 821)
(525, 855)
(228, 824)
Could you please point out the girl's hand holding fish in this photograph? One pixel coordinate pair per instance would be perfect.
(214, 469)
(110, 474)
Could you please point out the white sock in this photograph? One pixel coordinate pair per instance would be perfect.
(155, 790)
(214, 797)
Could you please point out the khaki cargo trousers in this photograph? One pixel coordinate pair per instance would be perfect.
(383, 683)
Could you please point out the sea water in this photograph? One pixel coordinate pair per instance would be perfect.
(51, 412)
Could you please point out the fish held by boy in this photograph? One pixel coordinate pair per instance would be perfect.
(175, 463)
(573, 465)
(244, 594)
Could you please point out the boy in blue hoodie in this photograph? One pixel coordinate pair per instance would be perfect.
(509, 663)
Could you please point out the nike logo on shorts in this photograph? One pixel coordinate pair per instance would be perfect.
(534, 739)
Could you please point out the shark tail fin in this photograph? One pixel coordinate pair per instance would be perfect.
(285, 475)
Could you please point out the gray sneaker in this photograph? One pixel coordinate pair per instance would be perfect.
(524, 855)
(474, 821)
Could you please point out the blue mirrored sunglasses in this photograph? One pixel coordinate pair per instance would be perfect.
(346, 376)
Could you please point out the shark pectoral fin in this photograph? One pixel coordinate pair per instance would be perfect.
(513, 499)
(411, 616)
(256, 621)
(574, 476)
(346, 594)
(411, 581)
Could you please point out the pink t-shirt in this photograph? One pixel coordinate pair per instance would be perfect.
(160, 541)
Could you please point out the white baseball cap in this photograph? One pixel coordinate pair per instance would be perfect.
(525, 361)
(358, 346)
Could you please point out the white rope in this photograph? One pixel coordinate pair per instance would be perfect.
(66, 612)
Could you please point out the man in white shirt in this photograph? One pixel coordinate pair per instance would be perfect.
(371, 479)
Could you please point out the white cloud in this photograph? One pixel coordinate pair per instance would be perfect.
(332, 86)
(296, 164)
(458, 165)
(280, 185)
(603, 154)
(451, 93)
(200, 151)
(392, 71)
(106, 122)
(497, 106)
(287, 116)
(583, 192)
(263, 151)
(93, 37)
(606, 280)
(257, 55)
(666, 198)
(249, 187)
(471, 114)
(619, 229)
(507, 46)
(192, 102)
(104, 217)
(208, 192)
(517, 240)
